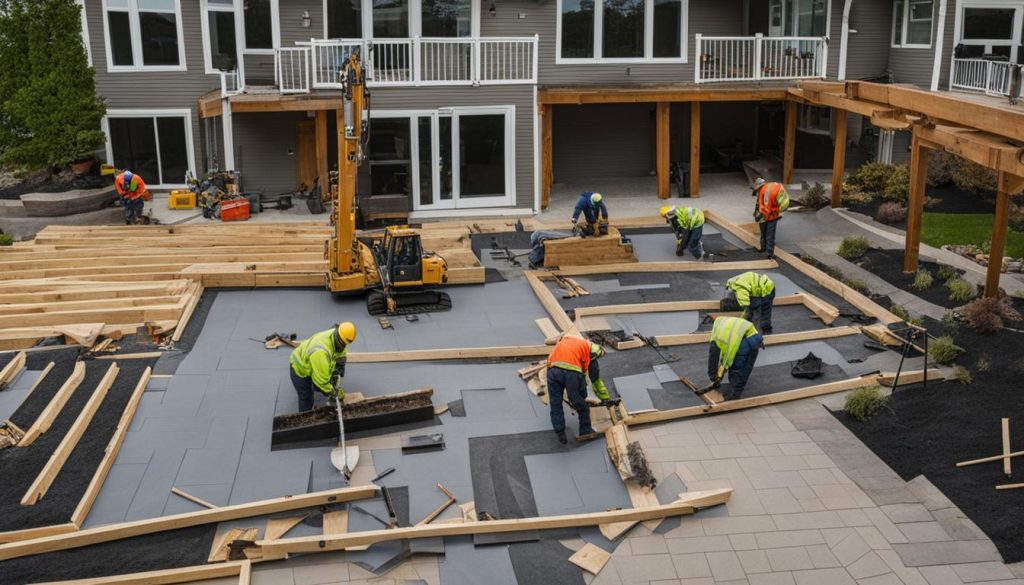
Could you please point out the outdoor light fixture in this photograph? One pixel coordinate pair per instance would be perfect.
(492, 10)
(306, 20)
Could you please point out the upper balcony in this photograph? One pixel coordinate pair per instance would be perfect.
(413, 62)
(759, 58)
(989, 76)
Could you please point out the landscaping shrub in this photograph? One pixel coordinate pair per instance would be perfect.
(872, 177)
(900, 312)
(962, 375)
(959, 289)
(891, 212)
(931, 202)
(6, 239)
(814, 197)
(987, 315)
(974, 178)
(863, 403)
(853, 247)
(897, 186)
(950, 325)
(941, 165)
(857, 285)
(1016, 217)
(852, 195)
(922, 280)
(946, 272)
(943, 350)
(982, 365)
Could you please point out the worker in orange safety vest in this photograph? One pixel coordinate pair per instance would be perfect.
(772, 201)
(131, 188)
(569, 365)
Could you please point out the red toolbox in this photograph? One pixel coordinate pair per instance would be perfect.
(234, 210)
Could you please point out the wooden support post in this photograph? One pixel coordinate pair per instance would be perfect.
(995, 251)
(322, 166)
(1007, 467)
(789, 144)
(663, 149)
(694, 149)
(839, 158)
(915, 206)
(546, 148)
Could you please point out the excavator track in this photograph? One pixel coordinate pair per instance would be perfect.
(409, 303)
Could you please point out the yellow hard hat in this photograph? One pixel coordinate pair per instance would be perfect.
(666, 210)
(595, 198)
(347, 332)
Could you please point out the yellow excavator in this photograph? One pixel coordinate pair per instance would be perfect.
(391, 267)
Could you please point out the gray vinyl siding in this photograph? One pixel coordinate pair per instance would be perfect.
(867, 54)
(720, 17)
(915, 65)
(901, 147)
(948, 43)
(835, 38)
(265, 150)
(603, 140)
(292, 30)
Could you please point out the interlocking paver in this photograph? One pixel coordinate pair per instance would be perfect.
(974, 572)
(691, 566)
(789, 559)
(821, 576)
(754, 561)
(725, 566)
(850, 549)
(772, 579)
(923, 531)
(869, 565)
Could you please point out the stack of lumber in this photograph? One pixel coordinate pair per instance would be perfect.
(577, 251)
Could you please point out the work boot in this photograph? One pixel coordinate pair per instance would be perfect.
(589, 431)
(767, 330)
(562, 438)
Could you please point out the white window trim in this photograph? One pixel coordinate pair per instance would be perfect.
(459, 203)
(275, 29)
(903, 44)
(85, 32)
(648, 37)
(415, 19)
(158, 113)
(205, 10)
(1017, 7)
(133, 20)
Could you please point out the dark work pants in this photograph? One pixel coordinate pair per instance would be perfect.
(690, 240)
(133, 209)
(742, 366)
(762, 305)
(574, 384)
(304, 388)
(768, 236)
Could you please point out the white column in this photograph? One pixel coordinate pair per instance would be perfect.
(229, 136)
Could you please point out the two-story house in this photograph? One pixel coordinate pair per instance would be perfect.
(478, 105)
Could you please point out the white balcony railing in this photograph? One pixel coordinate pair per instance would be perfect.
(991, 77)
(409, 62)
(759, 58)
(231, 83)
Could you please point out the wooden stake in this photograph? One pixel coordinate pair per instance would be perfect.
(193, 499)
(989, 459)
(1006, 448)
(1010, 486)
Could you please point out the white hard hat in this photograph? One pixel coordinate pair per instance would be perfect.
(759, 181)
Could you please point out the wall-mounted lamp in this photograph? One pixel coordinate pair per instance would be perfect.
(306, 20)
(492, 10)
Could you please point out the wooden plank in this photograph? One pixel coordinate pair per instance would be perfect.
(548, 301)
(998, 244)
(666, 267)
(245, 574)
(670, 306)
(990, 459)
(336, 522)
(604, 94)
(912, 377)
(28, 533)
(590, 558)
(195, 500)
(110, 453)
(165, 576)
(1007, 467)
(1010, 486)
(221, 550)
(139, 527)
(12, 369)
(278, 527)
(695, 149)
(789, 144)
(60, 456)
(146, 355)
(839, 157)
(915, 204)
(547, 154)
(773, 339)
(322, 163)
(278, 548)
(662, 149)
(190, 308)
(449, 354)
(547, 328)
(49, 414)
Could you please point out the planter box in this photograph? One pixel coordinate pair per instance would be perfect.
(373, 413)
(68, 202)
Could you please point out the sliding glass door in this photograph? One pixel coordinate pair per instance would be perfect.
(157, 147)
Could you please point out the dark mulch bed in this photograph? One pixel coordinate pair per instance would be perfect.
(55, 184)
(928, 431)
(946, 199)
(888, 265)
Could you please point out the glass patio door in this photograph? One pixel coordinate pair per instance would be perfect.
(991, 30)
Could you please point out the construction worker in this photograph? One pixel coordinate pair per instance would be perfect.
(320, 362)
(733, 349)
(772, 201)
(131, 187)
(688, 224)
(570, 363)
(594, 211)
(754, 293)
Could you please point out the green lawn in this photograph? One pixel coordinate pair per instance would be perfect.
(967, 228)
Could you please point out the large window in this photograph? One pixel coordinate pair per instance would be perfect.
(390, 19)
(158, 147)
(143, 34)
(446, 18)
(621, 30)
(802, 18)
(912, 23)
(221, 40)
(344, 19)
(259, 19)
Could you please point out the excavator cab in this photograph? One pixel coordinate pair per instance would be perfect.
(404, 270)
(404, 259)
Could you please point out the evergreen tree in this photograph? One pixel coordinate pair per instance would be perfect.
(49, 111)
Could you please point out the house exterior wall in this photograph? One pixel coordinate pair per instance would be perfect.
(867, 53)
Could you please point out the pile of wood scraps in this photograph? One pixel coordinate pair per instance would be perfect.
(1006, 458)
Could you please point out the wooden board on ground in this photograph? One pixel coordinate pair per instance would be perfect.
(12, 369)
(278, 527)
(590, 558)
(221, 549)
(60, 398)
(191, 574)
(336, 522)
(1007, 468)
(591, 250)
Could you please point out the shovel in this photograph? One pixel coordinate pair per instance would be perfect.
(343, 458)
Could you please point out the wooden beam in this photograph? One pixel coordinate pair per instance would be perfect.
(915, 204)
(278, 548)
(772, 339)
(110, 454)
(277, 103)
(1007, 467)
(122, 530)
(49, 414)
(675, 93)
(662, 148)
(186, 314)
(548, 301)
(789, 143)
(741, 265)
(245, 573)
(988, 150)
(999, 226)
(839, 158)
(462, 353)
(547, 154)
(60, 456)
(990, 459)
(28, 533)
(164, 576)
(322, 164)
(695, 149)
(12, 369)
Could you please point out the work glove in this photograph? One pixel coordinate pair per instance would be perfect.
(716, 384)
(610, 402)
(600, 389)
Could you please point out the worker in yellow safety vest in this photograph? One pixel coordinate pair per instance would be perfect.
(688, 224)
(754, 293)
(569, 364)
(320, 362)
(733, 349)
(772, 201)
